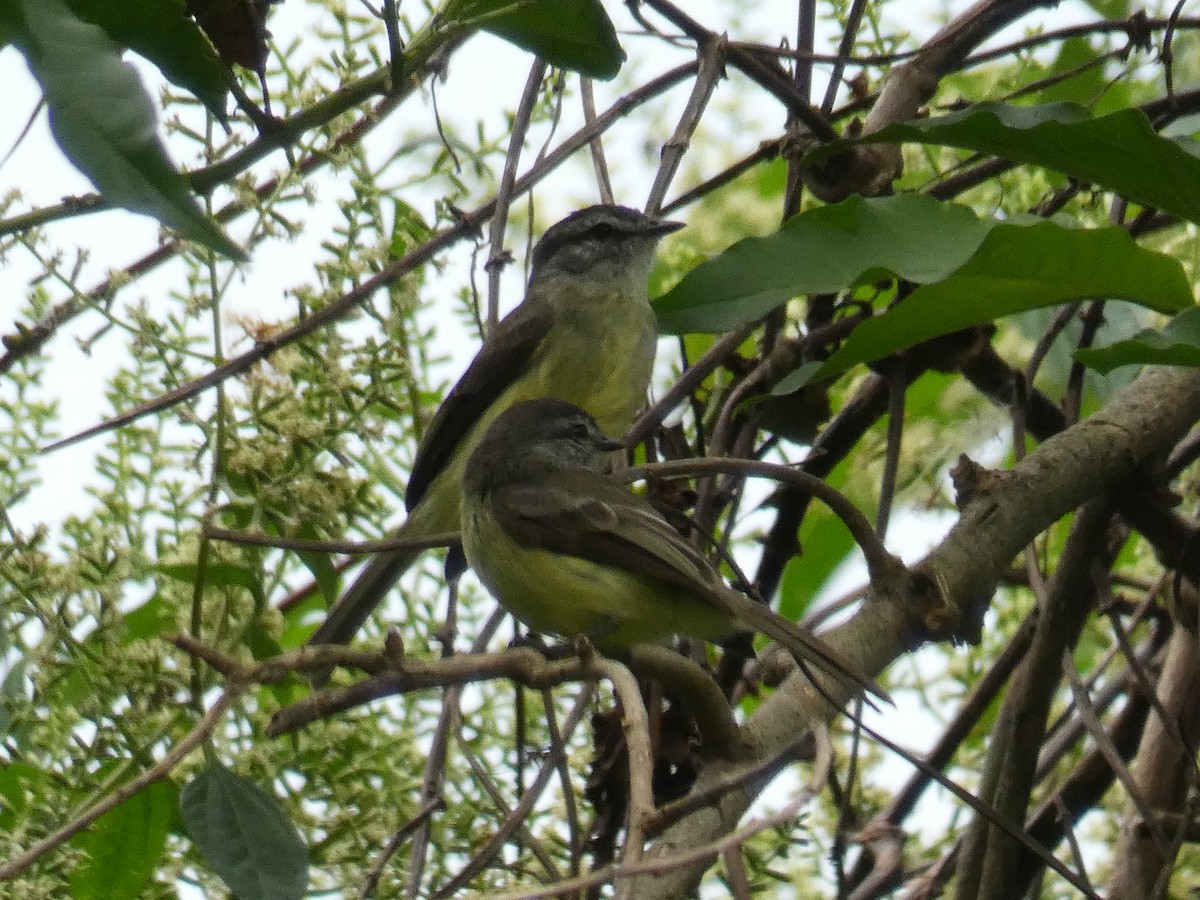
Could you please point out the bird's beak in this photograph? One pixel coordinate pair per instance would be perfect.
(611, 444)
(663, 227)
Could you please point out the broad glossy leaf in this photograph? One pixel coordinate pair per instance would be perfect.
(1018, 268)
(104, 120)
(1118, 151)
(826, 249)
(123, 847)
(569, 34)
(245, 835)
(1177, 344)
(162, 32)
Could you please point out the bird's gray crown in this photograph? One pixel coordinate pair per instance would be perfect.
(599, 232)
(538, 436)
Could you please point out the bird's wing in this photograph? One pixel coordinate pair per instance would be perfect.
(588, 515)
(503, 358)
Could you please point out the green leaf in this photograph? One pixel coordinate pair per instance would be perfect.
(324, 572)
(1118, 151)
(1110, 9)
(124, 846)
(1086, 86)
(825, 543)
(570, 34)
(163, 33)
(104, 121)
(827, 249)
(409, 228)
(216, 574)
(245, 835)
(261, 643)
(13, 693)
(1017, 268)
(1177, 344)
(152, 618)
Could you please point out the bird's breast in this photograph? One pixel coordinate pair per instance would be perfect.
(601, 358)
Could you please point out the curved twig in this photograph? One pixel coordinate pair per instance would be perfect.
(881, 564)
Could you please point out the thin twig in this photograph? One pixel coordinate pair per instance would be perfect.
(881, 565)
(1087, 713)
(587, 96)
(845, 47)
(321, 545)
(375, 872)
(435, 768)
(497, 257)
(688, 381)
(897, 389)
(712, 66)
(770, 78)
(636, 727)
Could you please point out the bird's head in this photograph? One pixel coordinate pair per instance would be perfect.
(544, 435)
(614, 238)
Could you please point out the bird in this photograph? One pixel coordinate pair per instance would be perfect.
(584, 332)
(569, 550)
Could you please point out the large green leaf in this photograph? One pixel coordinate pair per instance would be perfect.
(569, 34)
(826, 249)
(245, 835)
(162, 32)
(1017, 268)
(122, 849)
(1177, 344)
(1118, 151)
(104, 120)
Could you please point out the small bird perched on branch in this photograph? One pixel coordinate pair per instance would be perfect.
(570, 551)
(584, 333)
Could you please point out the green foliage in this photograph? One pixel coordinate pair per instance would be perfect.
(105, 122)
(125, 846)
(1119, 151)
(823, 250)
(1019, 268)
(570, 34)
(314, 439)
(1176, 344)
(162, 32)
(966, 266)
(245, 835)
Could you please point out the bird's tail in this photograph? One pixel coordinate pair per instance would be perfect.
(367, 591)
(806, 648)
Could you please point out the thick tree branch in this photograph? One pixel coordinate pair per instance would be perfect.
(957, 579)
